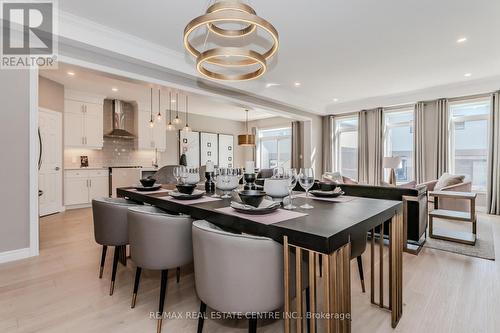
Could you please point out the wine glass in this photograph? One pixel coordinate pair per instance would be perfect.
(213, 179)
(239, 173)
(177, 174)
(306, 181)
(183, 174)
(291, 176)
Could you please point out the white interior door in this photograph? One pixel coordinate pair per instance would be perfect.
(50, 172)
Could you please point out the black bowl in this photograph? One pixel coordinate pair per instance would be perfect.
(148, 182)
(186, 188)
(252, 197)
(327, 186)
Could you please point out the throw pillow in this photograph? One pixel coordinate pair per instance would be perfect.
(448, 180)
(411, 184)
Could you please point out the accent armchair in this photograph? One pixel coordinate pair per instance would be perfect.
(449, 203)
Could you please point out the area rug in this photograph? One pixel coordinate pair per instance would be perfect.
(484, 248)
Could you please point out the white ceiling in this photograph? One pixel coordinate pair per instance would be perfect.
(350, 50)
(98, 83)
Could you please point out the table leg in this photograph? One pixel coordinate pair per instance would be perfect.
(396, 246)
(336, 300)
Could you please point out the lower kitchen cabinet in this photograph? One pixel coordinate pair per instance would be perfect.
(81, 186)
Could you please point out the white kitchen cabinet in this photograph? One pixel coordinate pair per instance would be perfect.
(83, 121)
(150, 138)
(75, 190)
(99, 184)
(81, 186)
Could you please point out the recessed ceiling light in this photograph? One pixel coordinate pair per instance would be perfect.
(268, 85)
(467, 74)
(71, 73)
(335, 99)
(114, 89)
(297, 84)
(461, 40)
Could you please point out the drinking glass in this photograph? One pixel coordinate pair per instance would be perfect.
(291, 176)
(213, 179)
(229, 181)
(193, 176)
(306, 181)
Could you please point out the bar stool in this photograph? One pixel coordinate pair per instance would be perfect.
(111, 229)
(158, 241)
(237, 273)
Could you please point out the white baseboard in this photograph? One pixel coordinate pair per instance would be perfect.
(15, 255)
(70, 207)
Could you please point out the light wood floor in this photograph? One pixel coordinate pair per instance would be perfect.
(59, 291)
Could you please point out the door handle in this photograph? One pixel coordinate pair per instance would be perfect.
(57, 168)
(90, 182)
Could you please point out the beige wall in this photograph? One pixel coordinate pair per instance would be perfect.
(14, 171)
(50, 94)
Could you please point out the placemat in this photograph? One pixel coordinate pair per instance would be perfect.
(342, 198)
(190, 202)
(162, 190)
(278, 216)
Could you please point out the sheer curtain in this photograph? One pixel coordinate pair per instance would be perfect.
(370, 146)
(494, 157)
(328, 132)
(419, 143)
(442, 138)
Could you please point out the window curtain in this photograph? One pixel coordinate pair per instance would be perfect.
(254, 149)
(297, 139)
(370, 146)
(494, 157)
(442, 137)
(419, 143)
(328, 144)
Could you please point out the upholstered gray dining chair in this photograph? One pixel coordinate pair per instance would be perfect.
(166, 175)
(111, 229)
(158, 241)
(358, 247)
(236, 273)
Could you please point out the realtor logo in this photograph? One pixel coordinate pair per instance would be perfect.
(28, 34)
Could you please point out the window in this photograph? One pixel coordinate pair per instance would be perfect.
(469, 141)
(346, 146)
(398, 141)
(274, 148)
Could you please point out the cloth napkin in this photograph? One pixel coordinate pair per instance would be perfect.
(264, 204)
(336, 190)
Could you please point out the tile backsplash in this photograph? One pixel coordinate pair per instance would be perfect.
(115, 152)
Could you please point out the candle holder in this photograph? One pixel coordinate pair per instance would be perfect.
(209, 184)
(250, 181)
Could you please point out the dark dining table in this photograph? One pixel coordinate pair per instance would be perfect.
(323, 236)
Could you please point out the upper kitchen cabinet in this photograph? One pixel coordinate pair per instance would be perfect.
(149, 138)
(83, 120)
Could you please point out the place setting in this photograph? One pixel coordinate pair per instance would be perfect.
(187, 180)
(150, 186)
(267, 206)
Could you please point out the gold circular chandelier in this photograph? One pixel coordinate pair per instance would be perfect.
(228, 57)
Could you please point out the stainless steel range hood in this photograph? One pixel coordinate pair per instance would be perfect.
(119, 131)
